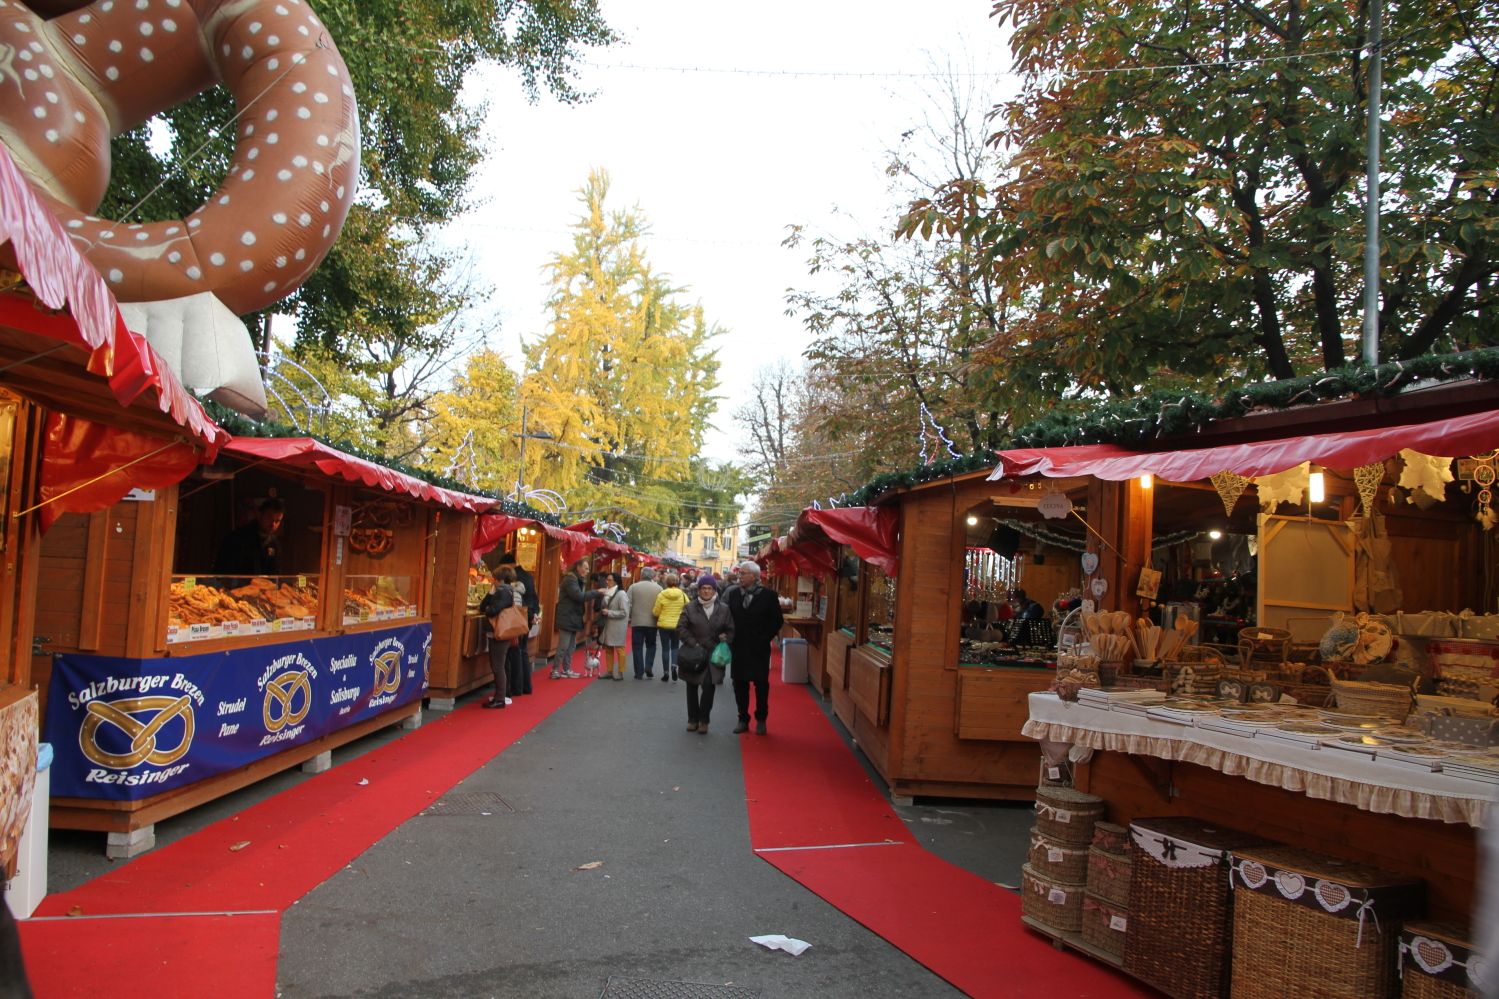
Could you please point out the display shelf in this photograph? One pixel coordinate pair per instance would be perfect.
(205, 607)
(1064, 939)
(378, 598)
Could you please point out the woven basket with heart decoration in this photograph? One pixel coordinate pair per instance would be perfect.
(1437, 961)
(1306, 923)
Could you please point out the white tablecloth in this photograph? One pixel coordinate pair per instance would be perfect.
(1329, 774)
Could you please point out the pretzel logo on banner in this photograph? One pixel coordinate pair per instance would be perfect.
(387, 672)
(287, 700)
(129, 716)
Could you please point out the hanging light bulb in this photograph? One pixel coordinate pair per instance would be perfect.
(1147, 481)
(1215, 534)
(972, 520)
(1316, 487)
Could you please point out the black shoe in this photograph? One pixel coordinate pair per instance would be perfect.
(664, 678)
(492, 703)
(673, 675)
(650, 674)
(741, 728)
(759, 728)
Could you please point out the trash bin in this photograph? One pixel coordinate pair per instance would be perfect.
(26, 890)
(793, 660)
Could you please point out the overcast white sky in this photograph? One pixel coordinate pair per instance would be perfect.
(720, 159)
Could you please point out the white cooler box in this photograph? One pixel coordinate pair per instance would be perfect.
(793, 660)
(26, 890)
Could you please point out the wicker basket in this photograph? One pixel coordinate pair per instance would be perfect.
(1179, 904)
(1066, 863)
(1111, 838)
(1383, 700)
(1067, 816)
(1105, 924)
(1054, 905)
(1108, 875)
(1263, 648)
(1434, 961)
(1311, 925)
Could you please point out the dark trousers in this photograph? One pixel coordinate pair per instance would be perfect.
(669, 644)
(643, 639)
(699, 701)
(499, 663)
(520, 666)
(762, 695)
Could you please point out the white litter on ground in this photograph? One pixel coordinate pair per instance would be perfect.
(776, 941)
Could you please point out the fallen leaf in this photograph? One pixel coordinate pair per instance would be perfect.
(590, 866)
(239, 846)
(77, 910)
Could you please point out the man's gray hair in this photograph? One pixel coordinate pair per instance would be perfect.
(647, 573)
(748, 566)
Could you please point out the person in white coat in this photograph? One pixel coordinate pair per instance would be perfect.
(616, 626)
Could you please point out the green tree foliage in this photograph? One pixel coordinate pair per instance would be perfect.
(1200, 216)
(474, 423)
(622, 381)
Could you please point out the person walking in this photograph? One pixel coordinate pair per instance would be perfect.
(572, 594)
(670, 603)
(497, 599)
(643, 594)
(757, 621)
(616, 618)
(704, 623)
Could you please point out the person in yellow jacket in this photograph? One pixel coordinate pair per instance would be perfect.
(668, 611)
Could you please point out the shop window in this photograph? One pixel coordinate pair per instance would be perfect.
(847, 584)
(879, 607)
(385, 546)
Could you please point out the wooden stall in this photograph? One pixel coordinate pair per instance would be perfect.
(261, 664)
(1383, 510)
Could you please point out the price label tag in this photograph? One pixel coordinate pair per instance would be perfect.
(1064, 817)
(231, 627)
(259, 626)
(172, 635)
(301, 582)
(1053, 773)
(197, 631)
(276, 624)
(1056, 897)
(364, 614)
(1118, 924)
(1054, 855)
(189, 584)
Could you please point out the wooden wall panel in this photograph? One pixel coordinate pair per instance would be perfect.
(1061, 571)
(449, 599)
(869, 685)
(1442, 854)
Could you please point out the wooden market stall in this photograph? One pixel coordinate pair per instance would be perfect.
(1385, 511)
(236, 670)
(88, 411)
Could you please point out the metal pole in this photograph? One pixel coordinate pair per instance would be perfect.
(1371, 209)
(520, 474)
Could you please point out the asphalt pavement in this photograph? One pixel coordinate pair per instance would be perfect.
(614, 858)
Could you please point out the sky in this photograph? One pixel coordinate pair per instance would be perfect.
(723, 125)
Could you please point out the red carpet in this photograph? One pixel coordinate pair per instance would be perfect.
(801, 791)
(153, 957)
(295, 841)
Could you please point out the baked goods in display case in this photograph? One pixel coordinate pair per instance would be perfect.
(377, 598)
(214, 607)
(479, 584)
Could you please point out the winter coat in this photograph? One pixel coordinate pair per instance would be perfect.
(669, 606)
(529, 598)
(570, 598)
(643, 603)
(755, 627)
(697, 628)
(495, 601)
(617, 619)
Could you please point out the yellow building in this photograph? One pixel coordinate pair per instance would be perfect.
(706, 547)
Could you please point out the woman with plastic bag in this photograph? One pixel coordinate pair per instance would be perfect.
(705, 625)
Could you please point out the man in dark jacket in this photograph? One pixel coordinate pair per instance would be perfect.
(757, 622)
(572, 594)
(520, 657)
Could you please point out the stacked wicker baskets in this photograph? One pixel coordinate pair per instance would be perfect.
(1106, 904)
(1054, 879)
(1308, 924)
(1179, 905)
(1436, 962)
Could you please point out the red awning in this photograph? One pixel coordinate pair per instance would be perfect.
(1456, 437)
(491, 528)
(87, 466)
(869, 530)
(305, 452)
(61, 279)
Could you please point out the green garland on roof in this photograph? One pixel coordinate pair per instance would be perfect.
(1139, 422)
(242, 426)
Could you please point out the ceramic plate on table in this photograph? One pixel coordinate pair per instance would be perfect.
(1307, 728)
(1399, 735)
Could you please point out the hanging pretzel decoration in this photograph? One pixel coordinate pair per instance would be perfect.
(93, 70)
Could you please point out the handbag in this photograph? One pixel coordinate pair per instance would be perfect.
(691, 658)
(509, 623)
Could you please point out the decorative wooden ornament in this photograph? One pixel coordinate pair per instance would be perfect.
(1368, 480)
(1230, 486)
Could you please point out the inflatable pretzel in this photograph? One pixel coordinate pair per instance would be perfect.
(73, 74)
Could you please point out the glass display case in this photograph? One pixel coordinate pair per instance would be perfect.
(202, 607)
(879, 607)
(378, 598)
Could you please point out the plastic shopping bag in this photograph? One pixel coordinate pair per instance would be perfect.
(721, 655)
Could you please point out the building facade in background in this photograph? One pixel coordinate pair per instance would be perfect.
(705, 546)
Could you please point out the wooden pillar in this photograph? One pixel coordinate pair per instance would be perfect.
(1122, 513)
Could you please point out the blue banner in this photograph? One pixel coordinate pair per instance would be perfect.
(133, 728)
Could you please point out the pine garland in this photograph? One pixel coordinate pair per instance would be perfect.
(242, 426)
(1139, 422)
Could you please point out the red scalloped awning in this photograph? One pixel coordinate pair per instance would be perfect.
(34, 241)
(490, 530)
(306, 452)
(871, 531)
(87, 466)
(1456, 437)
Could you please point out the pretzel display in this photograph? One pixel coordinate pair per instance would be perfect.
(97, 69)
(259, 600)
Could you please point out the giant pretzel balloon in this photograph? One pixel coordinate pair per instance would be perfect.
(73, 74)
